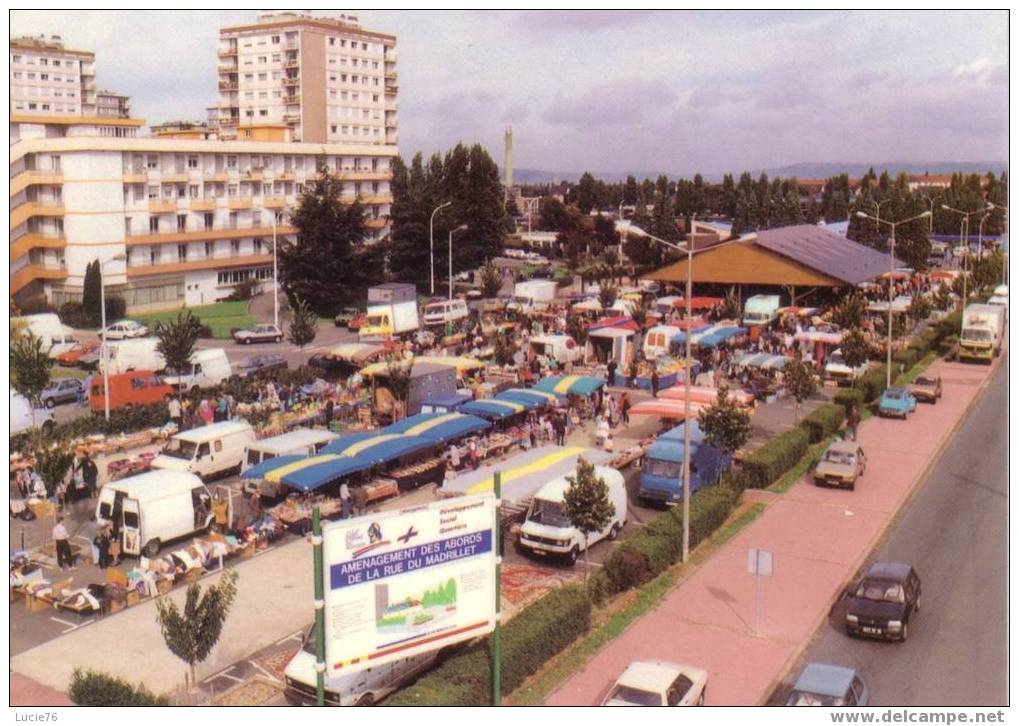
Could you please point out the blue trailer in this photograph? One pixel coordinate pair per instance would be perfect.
(661, 477)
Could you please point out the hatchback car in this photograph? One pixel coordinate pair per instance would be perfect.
(60, 390)
(896, 402)
(926, 388)
(841, 465)
(73, 356)
(266, 333)
(123, 329)
(829, 686)
(260, 365)
(658, 683)
(884, 601)
(344, 317)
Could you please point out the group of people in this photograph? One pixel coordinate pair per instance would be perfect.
(80, 482)
(189, 414)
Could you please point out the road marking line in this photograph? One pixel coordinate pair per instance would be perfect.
(296, 636)
(263, 671)
(220, 673)
(232, 678)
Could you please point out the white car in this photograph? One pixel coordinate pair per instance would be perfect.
(837, 370)
(658, 683)
(266, 333)
(123, 329)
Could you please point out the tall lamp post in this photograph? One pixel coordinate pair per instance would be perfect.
(275, 268)
(431, 241)
(964, 238)
(102, 332)
(930, 221)
(461, 228)
(891, 279)
(687, 250)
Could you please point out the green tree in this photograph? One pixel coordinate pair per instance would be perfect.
(576, 328)
(491, 280)
(943, 297)
(91, 293)
(554, 216)
(920, 308)
(800, 381)
(177, 340)
(630, 190)
(399, 369)
(855, 349)
(730, 304)
(640, 311)
(725, 424)
(503, 349)
(303, 324)
(849, 311)
(52, 464)
(606, 294)
(30, 367)
(585, 193)
(319, 267)
(192, 634)
(586, 504)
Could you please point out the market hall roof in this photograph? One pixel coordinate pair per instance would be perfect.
(801, 255)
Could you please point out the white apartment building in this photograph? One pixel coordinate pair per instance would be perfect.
(328, 80)
(110, 104)
(47, 78)
(187, 219)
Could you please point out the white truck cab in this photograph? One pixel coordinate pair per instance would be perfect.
(209, 368)
(207, 450)
(546, 531)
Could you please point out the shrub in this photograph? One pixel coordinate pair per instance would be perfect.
(91, 688)
(846, 396)
(35, 304)
(116, 308)
(599, 587)
(243, 291)
(823, 421)
(73, 314)
(776, 457)
(872, 383)
(122, 420)
(538, 632)
(906, 358)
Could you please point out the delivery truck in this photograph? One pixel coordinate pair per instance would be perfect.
(983, 327)
(132, 354)
(392, 312)
(661, 476)
(532, 296)
(761, 309)
(56, 337)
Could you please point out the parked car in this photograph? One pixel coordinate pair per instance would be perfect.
(332, 366)
(837, 370)
(60, 390)
(24, 416)
(829, 686)
(345, 316)
(123, 329)
(926, 388)
(265, 333)
(841, 465)
(884, 601)
(73, 357)
(357, 322)
(896, 402)
(658, 683)
(260, 364)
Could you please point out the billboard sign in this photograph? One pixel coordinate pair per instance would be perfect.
(407, 582)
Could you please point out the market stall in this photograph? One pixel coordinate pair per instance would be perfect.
(492, 409)
(570, 385)
(704, 395)
(439, 427)
(611, 343)
(665, 408)
(529, 397)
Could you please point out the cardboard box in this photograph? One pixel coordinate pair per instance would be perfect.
(116, 606)
(36, 604)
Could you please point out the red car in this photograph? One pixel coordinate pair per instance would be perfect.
(74, 355)
(356, 322)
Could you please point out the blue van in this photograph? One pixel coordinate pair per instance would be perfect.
(661, 477)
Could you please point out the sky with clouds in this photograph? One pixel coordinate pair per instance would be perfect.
(678, 91)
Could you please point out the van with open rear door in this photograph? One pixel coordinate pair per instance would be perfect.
(151, 509)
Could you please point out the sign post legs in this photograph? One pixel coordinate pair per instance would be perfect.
(497, 636)
(320, 635)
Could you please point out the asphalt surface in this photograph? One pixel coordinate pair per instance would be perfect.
(955, 533)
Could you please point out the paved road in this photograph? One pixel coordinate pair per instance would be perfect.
(955, 532)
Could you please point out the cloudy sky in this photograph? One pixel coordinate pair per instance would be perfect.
(706, 91)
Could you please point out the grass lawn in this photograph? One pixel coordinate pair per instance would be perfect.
(220, 317)
(62, 372)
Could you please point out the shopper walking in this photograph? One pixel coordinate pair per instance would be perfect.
(90, 474)
(360, 497)
(344, 500)
(173, 406)
(654, 382)
(624, 409)
(63, 545)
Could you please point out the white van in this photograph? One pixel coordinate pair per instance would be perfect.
(358, 688)
(299, 441)
(56, 337)
(24, 417)
(154, 508)
(658, 341)
(447, 311)
(207, 450)
(546, 531)
(132, 354)
(561, 347)
(209, 368)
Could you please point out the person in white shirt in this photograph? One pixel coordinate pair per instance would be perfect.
(344, 500)
(63, 545)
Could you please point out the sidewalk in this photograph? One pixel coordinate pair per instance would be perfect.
(819, 538)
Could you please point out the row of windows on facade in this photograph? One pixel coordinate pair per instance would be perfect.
(133, 296)
(208, 221)
(155, 254)
(181, 162)
(291, 39)
(55, 77)
(54, 107)
(54, 62)
(291, 57)
(215, 191)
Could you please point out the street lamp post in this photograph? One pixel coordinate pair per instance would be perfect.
(461, 228)
(891, 280)
(686, 249)
(102, 332)
(431, 242)
(930, 221)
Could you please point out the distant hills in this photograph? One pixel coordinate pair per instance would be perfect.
(805, 170)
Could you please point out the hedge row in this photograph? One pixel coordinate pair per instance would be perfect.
(90, 688)
(872, 383)
(122, 420)
(776, 457)
(529, 640)
(823, 421)
(846, 397)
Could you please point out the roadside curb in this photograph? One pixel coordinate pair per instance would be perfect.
(914, 488)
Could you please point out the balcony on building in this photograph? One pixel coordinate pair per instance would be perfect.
(162, 206)
(229, 51)
(228, 85)
(291, 63)
(293, 98)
